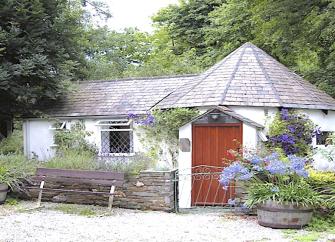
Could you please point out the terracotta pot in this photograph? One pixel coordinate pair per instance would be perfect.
(275, 215)
(3, 192)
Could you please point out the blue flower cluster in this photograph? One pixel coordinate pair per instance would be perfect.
(236, 171)
(271, 165)
(297, 165)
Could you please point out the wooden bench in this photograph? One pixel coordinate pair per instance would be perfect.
(45, 175)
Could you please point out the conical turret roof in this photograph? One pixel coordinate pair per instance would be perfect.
(249, 77)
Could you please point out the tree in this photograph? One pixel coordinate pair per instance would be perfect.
(40, 51)
(186, 23)
(111, 54)
(300, 33)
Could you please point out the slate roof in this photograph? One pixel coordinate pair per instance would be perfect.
(249, 77)
(246, 77)
(116, 97)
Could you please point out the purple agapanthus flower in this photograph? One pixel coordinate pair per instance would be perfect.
(255, 160)
(235, 171)
(276, 167)
(257, 168)
(297, 165)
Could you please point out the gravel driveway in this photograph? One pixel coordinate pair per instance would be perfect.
(54, 223)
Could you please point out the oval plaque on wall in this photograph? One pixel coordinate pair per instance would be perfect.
(185, 145)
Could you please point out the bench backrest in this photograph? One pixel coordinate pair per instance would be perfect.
(81, 176)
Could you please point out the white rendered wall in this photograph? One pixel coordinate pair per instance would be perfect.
(184, 169)
(325, 121)
(250, 137)
(39, 138)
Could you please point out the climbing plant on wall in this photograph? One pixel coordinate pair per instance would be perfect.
(161, 127)
(292, 132)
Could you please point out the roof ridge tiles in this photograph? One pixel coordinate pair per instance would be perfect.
(139, 78)
(266, 74)
(296, 75)
(232, 76)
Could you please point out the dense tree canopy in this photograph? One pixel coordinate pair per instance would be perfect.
(300, 34)
(40, 50)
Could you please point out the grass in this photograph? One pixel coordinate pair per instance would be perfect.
(87, 211)
(11, 201)
(319, 228)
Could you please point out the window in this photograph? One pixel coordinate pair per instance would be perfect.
(116, 136)
(58, 125)
(323, 138)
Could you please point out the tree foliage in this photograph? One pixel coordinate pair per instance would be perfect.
(300, 33)
(45, 44)
(40, 51)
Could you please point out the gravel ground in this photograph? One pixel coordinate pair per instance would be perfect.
(54, 222)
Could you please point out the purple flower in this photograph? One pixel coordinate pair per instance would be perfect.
(285, 138)
(132, 116)
(317, 131)
(284, 113)
(297, 165)
(257, 168)
(255, 160)
(291, 128)
(245, 177)
(276, 167)
(235, 171)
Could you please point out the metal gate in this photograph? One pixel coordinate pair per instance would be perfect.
(199, 187)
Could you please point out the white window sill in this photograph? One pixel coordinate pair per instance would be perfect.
(116, 154)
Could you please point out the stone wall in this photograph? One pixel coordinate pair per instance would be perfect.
(150, 190)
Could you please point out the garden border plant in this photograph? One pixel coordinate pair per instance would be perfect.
(279, 180)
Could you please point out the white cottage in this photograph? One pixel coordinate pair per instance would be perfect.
(237, 97)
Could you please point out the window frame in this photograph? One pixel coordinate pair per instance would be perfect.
(315, 140)
(116, 122)
(61, 127)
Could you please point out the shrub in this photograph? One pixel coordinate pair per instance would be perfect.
(16, 168)
(130, 165)
(13, 144)
(324, 184)
(292, 132)
(324, 157)
(74, 139)
(72, 159)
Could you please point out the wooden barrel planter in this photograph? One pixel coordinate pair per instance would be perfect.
(284, 216)
(3, 192)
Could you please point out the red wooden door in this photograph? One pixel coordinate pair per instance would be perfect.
(210, 152)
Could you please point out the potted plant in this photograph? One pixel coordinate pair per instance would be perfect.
(4, 182)
(14, 170)
(277, 186)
